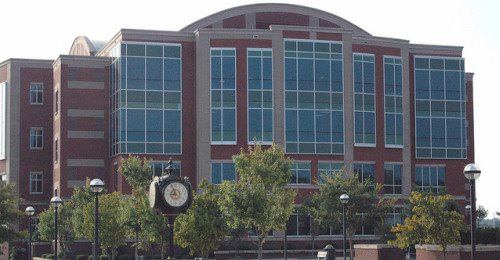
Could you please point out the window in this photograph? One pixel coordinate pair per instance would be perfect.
(395, 216)
(56, 151)
(159, 168)
(430, 178)
(393, 178)
(365, 172)
(260, 95)
(298, 225)
(314, 120)
(364, 99)
(393, 98)
(440, 103)
(36, 94)
(328, 168)
(146, 99)
(330, 230)
(36, 182)
(301, 173)
(3, 119)
(223, 95)
(56, 102)
(36, 138)
(3, 176)
(223, 171)
(367, 227)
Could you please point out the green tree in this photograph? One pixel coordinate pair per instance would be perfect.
(112, 219)
(431, 222)
(365, 207)
(144, 222)
(113, 214)
(203, 226)
(65, 226)
(481, 214)
(9, 214)
(259, 200)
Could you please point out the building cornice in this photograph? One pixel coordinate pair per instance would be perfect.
(88, 61)
(145, 36)
(28, 62)
(436, 49)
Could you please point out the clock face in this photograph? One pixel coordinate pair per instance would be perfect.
(176, 194)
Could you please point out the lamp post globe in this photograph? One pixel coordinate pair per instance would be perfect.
(30, 211)
(56, 201)
(344, 198)
(96, 185)
(472, 171)
(467, 208)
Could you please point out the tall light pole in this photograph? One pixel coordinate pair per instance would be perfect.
(344, 199)
(96, 186)
(30, 211)
(472, 172)
(56, 202)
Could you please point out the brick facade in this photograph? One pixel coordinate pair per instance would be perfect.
(80, 119)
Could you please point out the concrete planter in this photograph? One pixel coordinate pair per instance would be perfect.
(460, 252)
(378, 252)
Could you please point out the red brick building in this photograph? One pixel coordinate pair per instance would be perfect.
(328, 92)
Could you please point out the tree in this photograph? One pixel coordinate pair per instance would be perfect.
(112, 218)
(203, 226)
(365, 208)
(113, 209)
(137, 173)
(259, 200)
(9, 214)
(65, 226)
(144, 222)
(481, 214)
(306, 208)
(430, 223)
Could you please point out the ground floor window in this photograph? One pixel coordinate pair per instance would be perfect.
(298, 225)
(395, 216)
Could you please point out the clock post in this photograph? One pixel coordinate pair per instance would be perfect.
(170, 195)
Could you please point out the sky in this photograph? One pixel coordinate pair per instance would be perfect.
(46, 29)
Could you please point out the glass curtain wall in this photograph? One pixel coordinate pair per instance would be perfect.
(314, 122)
(146, 99)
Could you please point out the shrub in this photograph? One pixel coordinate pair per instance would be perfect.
(82, 257)
(103, 257)
(50, 256)
(125, 257)
(17, 253)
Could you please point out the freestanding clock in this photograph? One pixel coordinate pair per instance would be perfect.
(170, 195)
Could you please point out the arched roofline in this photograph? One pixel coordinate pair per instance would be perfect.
(89, 48)
(256, 8)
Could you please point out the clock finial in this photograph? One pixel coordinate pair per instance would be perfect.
(169, 170)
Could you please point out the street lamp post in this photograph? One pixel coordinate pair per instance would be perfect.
(30, 211)
(56, 201)
(472, 172)
(96, 186)
(344, 199)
